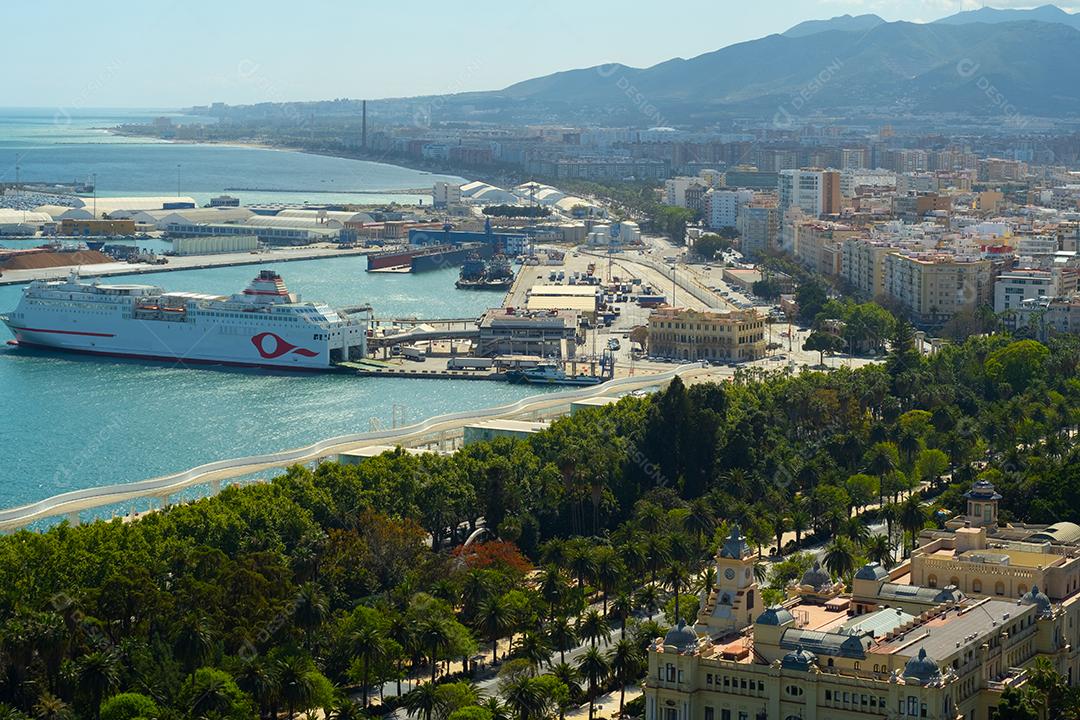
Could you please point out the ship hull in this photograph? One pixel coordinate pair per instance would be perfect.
(164, 358)
(257, 346)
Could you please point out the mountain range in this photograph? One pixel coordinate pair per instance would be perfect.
(1010, 68)
(994, 65)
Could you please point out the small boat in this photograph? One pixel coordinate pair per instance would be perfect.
(551, 375)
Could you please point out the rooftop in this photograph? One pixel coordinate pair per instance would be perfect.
(941, 636)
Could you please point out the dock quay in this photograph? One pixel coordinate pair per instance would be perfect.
(188, 262)
(439, 434)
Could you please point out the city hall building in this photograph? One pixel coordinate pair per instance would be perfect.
(893, 645)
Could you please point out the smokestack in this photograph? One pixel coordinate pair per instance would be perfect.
(363, 125)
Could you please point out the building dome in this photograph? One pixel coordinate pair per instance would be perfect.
(982, 490)
(682, 637)
(922, 669)
(872, 571)
(1036, 597)
(735, 547)
(799, 660)
(817, 578)
(775, 615)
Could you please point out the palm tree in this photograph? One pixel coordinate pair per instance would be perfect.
(878, 548)
(913, 516)
(594, 668)
(562, 636)
(632, 554)
(369, 645)
(854, 528)
(779, 522)
(593, 627)
(534, 647)
(255, 677)
(582, 564)
(608, 570)
(310, 611)
(648, 598)
(98, 674)
(761, 572)
(294, 679)
(656, 555)
(401, 631)
(552, 588)
(525, 696)
(213, 699)
(625, 666)
(569, 676)
(346, 709)
(424, 699)
(800, 520)
(493, 620)
(474, 590)
(839, 558)
(622, 607)
(496, 708)
(701, 519)
(193, 644)
(435, 637)
(676, 579)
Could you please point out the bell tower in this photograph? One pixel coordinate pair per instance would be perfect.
(734, 600)
(982, 505)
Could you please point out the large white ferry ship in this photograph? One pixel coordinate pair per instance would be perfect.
(265, 325)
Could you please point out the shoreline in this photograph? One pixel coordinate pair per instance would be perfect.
(393, 161)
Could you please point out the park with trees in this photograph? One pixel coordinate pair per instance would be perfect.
(349, 589)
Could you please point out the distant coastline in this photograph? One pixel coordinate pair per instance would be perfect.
(382, 159)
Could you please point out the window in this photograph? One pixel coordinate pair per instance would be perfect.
(931, 580)
(999, 588)
(710, 714)
(793, 690)
(976, 585)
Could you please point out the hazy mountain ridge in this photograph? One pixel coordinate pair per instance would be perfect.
(850, 23)
(918, 67)
(984, 63)
(1043, 13)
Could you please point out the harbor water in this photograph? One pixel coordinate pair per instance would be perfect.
(70, 422)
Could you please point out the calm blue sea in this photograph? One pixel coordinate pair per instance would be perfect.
(50, 145)
(69, 422)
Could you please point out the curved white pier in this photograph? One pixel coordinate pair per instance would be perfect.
(427, 433)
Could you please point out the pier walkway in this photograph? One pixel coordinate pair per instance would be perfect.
(439, 433)
(182, 262)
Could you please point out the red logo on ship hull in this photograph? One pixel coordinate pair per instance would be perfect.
(278, 346)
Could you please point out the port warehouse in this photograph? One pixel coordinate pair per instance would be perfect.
(512, 331)
(214, 244)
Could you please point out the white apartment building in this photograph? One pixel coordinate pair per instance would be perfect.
(916, 183)
(445, 193)
(1014, 287)
(722, 207)
(759, 228)
(675, 189)
(814, 191)
(851, 180)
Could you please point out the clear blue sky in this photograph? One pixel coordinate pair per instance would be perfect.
(168, 53)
